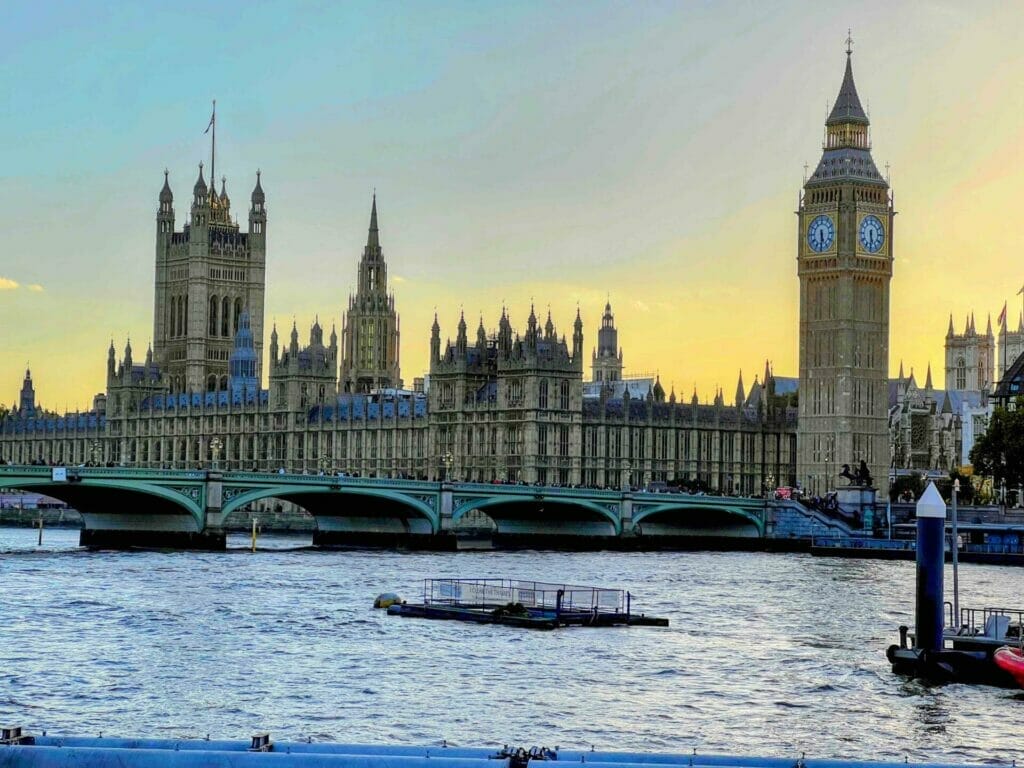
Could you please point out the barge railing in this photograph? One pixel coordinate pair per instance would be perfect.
(536, 595)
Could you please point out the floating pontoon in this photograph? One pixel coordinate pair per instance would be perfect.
(528, 604)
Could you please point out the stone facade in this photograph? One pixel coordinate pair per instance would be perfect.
(206, 276)
(970, 357)
(844, 263)
(370, 328)
(508, 408)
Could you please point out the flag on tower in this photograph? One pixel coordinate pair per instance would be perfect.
(1002, 315)
(213, 119)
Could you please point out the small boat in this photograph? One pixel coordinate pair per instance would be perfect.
(1011, 661)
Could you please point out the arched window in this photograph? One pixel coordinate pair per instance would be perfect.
(238, 312)
(225, 317)
(564, 396)
(542, 398)
(184, 324)
(213, 315)
(223, 383)
(211, 383)
(173, 316)
(961, 374)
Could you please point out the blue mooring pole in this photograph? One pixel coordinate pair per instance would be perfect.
(931, 539)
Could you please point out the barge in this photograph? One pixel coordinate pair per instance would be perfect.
(524, 604)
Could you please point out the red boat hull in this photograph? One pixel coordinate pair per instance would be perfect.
(1011, 661)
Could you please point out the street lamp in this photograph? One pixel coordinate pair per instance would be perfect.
(629, 476)
(447, 459)
(323, 463)
(215, 446)
(94, 448)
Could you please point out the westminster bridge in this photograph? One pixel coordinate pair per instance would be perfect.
(124, 507)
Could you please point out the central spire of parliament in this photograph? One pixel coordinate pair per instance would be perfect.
(370, 327)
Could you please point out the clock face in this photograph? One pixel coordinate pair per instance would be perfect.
(872, 234)
(821, 233)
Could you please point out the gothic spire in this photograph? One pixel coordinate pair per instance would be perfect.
(373, 238)
(740, 394)
(166, 196)
(950, 333)
(847, 108)
(928, 378)
(257, 191)
(200, 187)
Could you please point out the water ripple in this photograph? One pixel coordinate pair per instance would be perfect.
(766, 654)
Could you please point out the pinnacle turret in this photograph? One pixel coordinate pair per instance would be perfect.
(166, 196)
(257, 191)
(200, 188)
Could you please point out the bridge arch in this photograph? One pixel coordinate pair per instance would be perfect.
(694, 518)
(312, 498)
(103, 496)
(527, 503)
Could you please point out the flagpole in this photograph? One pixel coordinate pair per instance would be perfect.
(213, 147)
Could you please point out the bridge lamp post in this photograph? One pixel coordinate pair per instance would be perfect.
(215, 446)
(629, 476)
(94, 448)
(447, 460)
(323, 463)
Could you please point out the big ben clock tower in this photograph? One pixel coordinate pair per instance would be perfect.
(844, 261)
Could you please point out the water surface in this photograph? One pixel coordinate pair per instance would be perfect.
(766, 654)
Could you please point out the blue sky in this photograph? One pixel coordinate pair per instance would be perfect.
(566, 152)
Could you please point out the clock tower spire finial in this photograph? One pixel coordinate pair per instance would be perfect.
(849, 42)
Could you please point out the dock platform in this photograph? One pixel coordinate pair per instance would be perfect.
(524, 604)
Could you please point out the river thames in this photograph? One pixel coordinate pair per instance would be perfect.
(766, 653)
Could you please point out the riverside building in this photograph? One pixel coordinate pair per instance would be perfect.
(506, 406)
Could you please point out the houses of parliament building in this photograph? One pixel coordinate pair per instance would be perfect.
(498, 405)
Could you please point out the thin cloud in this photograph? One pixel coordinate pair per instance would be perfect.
(35, 287)
(6, 284)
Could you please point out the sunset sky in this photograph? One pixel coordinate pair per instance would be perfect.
(647, 152)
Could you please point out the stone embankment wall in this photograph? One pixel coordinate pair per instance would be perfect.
(279, 516)
(29, 518)
(794, 521)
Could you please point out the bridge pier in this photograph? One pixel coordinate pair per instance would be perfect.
(626, 515)
(445, 507)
